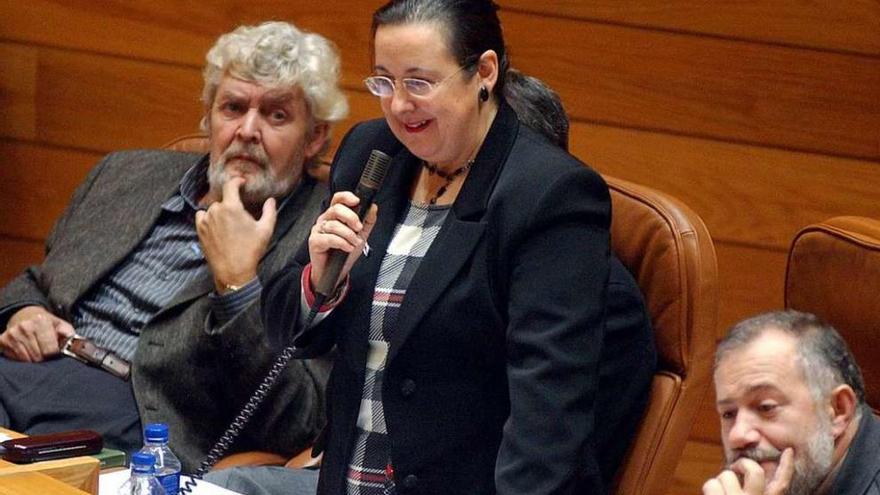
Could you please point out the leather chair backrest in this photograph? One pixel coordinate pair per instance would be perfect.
(192, 143)
(667, 248)
(834, 272)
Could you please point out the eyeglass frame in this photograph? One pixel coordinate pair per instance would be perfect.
(432, 86)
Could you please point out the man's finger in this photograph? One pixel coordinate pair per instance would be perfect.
(48, 343)
(730, 481)
(270, 214)
(713, 487)
(20, 348)
(752, 474)
(231, 194)
(18, 352)
(28, 337)
(6, 344)
(12, 346)
(784, 472)
(63, 329)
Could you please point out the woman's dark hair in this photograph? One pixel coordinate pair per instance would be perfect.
(472, 27)
(537, 106)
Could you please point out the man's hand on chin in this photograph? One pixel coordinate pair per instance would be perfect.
(232, 240)
(746, 477)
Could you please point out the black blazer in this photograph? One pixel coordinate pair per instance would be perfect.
(860, 472)
(497, 366)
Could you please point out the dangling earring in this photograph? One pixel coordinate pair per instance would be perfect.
(484, 93)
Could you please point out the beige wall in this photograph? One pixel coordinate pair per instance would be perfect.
(762, 116)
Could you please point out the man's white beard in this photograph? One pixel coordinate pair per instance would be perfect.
(811, 467)
(261, 184)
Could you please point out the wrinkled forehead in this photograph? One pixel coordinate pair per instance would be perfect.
(232, 86)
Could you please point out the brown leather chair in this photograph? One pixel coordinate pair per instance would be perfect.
(834, 272)
(667, 248)
(193, 143)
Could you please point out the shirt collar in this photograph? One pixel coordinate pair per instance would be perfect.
(192, 186)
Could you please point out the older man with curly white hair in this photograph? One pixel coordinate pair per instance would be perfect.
(153, 274)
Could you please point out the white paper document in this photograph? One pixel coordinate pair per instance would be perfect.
(109, 483)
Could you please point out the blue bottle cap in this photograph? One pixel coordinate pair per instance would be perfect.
(143, 463)
(156, 432)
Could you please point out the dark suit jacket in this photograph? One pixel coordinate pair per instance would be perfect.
(494, 368)
(860, 473)
(181, 375)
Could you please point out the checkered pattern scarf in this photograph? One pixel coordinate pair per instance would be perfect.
(369, 471)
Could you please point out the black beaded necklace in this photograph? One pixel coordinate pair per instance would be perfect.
(448, 176)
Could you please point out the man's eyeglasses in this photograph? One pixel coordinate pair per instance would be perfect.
(383, 86)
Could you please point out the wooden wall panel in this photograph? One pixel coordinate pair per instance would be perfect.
(77, 92)
(38, 181)
(15, 255)
(101, 103)
(751, 281)
(745, 194)
(162, 30)
(706, 424)
(682, 84)
(852, 25)
(181, 33)
(18, 91)
(362, 106)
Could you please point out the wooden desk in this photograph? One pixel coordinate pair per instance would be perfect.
(36, 484)
(73, 476)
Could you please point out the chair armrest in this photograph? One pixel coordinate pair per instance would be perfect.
(251, 458)
(304, 460)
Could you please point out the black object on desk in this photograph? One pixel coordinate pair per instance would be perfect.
(52, 446)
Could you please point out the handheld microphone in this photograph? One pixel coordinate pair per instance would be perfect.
(371, 179)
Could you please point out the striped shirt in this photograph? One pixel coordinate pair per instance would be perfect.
(368, 470)
(169, 258)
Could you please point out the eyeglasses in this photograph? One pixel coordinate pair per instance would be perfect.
(383, 86)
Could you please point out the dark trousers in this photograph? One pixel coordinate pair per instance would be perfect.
(64, 394)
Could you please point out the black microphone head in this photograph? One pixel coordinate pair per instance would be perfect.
(375, 170)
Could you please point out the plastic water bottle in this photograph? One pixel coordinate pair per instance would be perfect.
(167, 464)
(143, 477)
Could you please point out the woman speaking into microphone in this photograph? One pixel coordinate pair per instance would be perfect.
(470, 332)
